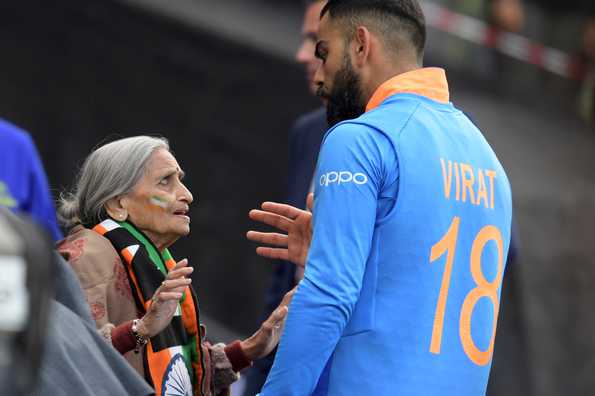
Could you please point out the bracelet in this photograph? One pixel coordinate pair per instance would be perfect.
(141, 340)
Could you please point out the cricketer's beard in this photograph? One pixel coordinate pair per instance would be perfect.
(345, 101)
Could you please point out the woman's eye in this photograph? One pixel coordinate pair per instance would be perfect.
(163, 182)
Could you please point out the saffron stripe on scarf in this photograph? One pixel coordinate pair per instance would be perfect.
(145, 276)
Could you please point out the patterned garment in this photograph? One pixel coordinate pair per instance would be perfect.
(174, 360)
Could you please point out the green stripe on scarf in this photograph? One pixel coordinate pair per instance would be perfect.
(159, 261)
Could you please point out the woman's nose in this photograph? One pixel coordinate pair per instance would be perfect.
(185, 194)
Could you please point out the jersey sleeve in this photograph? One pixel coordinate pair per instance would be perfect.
(355, 163)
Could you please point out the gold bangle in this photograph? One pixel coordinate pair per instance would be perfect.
(141, 340)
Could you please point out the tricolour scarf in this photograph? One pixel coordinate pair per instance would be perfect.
(174, 361)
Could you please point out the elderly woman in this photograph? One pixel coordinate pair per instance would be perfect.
(128, 206)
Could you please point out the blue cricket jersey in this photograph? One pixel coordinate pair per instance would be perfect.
(23, 184)
(411, 228)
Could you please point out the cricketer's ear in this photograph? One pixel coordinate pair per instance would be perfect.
(360, 45)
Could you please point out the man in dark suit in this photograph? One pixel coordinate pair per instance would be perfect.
(305, 138)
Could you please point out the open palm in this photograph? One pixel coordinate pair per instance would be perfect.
(166, 299)
(293, 244)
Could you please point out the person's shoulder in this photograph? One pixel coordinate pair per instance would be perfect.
(14, 135)
(404, 111)
(354, 127)
(356, 132)
(15, 139)
(395, 111)
(84, 247)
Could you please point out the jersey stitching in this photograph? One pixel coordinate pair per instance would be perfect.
(395, 207)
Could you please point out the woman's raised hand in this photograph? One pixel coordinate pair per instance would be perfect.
(267, 337)
(165, 300)
(297, 223)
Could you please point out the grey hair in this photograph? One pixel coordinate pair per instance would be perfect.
(108, 172)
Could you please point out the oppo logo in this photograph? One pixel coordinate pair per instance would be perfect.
(342, 177)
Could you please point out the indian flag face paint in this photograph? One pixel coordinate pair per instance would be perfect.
(159, 201)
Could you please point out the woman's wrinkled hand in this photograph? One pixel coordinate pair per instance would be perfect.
(267, 337)
(297, 223)
(165, 300)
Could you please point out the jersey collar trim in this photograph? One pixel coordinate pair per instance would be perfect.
(429, 82)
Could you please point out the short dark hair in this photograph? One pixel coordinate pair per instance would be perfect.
(388, 17)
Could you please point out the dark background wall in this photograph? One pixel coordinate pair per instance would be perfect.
(77, 72)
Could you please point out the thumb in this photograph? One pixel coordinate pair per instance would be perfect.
(279, 315)
(310, 201)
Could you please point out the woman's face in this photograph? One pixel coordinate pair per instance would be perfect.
(159, 203)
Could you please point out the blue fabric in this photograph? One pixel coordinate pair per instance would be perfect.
(370, 294)
(23, 183)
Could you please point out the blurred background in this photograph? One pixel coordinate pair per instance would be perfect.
(219, 79)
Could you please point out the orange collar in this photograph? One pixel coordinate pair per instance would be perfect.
(429, 82)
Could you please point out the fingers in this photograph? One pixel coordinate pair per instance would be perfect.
(273, 253)
(169, 296)
(271, 219)
(287, 297)
(310, 202)
(275, 319)
(284, 210)
(181, 273)
(180, 264)
(170, 284)
(279, 315)
(180, 270)
(175, 283)
(270, 238)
